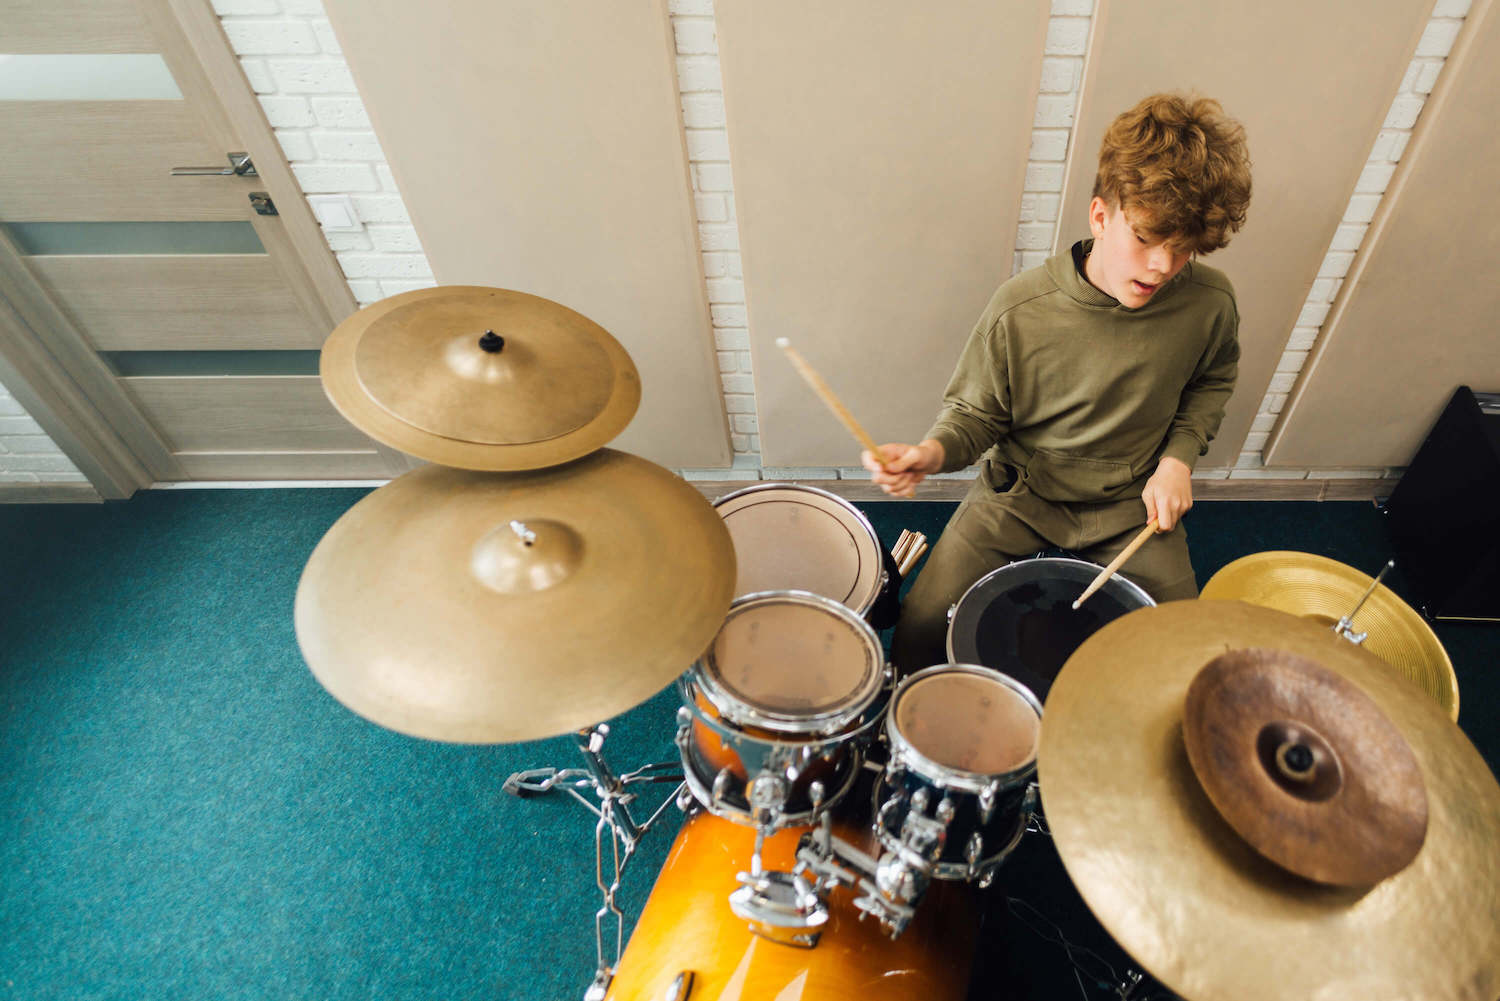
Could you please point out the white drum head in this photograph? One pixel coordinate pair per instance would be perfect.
(967, 721)
(791, 662)
(789, 537)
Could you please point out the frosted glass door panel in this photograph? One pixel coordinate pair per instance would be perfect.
(104, 77)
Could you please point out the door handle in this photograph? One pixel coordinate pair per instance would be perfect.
(240, 165)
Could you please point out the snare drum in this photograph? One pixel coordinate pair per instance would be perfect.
(792, 537)
(773, 711)
(1020, 618)
(687, 935)
(957, 792)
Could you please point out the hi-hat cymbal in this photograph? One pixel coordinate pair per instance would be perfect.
(1192, 901)
(487, 607)
(1305, 767)
(480, 378)
(1325, 590)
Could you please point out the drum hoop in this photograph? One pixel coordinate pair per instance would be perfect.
(688, 687)
(983, 583)
(736, 710)
(946, 776)
(878, 580)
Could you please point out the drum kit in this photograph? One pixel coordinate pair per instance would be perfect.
(1252, 804)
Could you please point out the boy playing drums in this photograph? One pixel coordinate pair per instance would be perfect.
(1091, 385)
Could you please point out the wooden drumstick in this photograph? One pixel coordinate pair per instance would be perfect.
(916, 553)
(1118, 562)
(903, 542)
(821, 388)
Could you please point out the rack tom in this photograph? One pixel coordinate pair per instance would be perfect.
(773, 711)
(957, 793)
(793, 537)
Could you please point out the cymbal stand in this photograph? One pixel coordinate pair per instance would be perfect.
(613, 816)
(1345, 626)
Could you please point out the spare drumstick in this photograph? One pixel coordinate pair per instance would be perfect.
(916, 553)
(903, 543)
(1118, 561)
(821, 388)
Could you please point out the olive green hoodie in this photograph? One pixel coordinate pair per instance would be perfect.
(1080, 396)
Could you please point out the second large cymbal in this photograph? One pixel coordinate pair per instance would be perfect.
(487, 607)
(1193, 902)
(480, 378)
(1326, 590)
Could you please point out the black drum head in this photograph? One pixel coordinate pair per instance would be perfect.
(1020, 619)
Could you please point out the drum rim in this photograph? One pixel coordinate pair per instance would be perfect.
(829, 722)
(881, 575)
(903, 750)
(973, 588)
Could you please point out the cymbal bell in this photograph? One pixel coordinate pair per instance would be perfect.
(487, 607)
(1193, 902)
(480, 378)
(1326, 590)
(1305, 767)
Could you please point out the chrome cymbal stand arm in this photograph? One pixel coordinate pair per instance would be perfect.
(613, 798)
(1345, 626)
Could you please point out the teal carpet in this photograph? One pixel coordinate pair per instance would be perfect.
(186, 814)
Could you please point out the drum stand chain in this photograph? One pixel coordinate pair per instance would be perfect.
(614, 818)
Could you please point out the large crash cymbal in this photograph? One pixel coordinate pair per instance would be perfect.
(1197, 905)
(480, 378)
(486, 607)
(1326, 590)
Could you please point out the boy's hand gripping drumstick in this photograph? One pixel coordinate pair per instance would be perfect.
(821, 388)
(1117, 562)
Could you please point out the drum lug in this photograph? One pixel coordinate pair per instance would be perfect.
(945, 811)
(973, 852)
(989, 796)
(722, 783)
(680, 988)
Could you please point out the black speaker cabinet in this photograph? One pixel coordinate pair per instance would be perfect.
(1444, 515)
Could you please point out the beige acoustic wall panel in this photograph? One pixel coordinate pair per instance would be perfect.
(1312, 81)
(878, 151)
(1417, 315)
(539, 147)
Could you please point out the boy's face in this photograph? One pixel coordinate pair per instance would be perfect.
(1127, 262)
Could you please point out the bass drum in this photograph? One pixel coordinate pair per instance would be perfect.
(687, 931)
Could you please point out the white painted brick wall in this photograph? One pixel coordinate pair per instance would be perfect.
(293, 62)
(1052, 130)
(27, 455)
(1406, 108)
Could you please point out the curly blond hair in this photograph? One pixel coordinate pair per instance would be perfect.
(1180, 165)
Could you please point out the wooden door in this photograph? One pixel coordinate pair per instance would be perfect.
(189, 315)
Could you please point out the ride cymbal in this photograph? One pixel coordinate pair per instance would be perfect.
(1326, 590)
(480, 378)
(1191, 900)
(486, 607)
